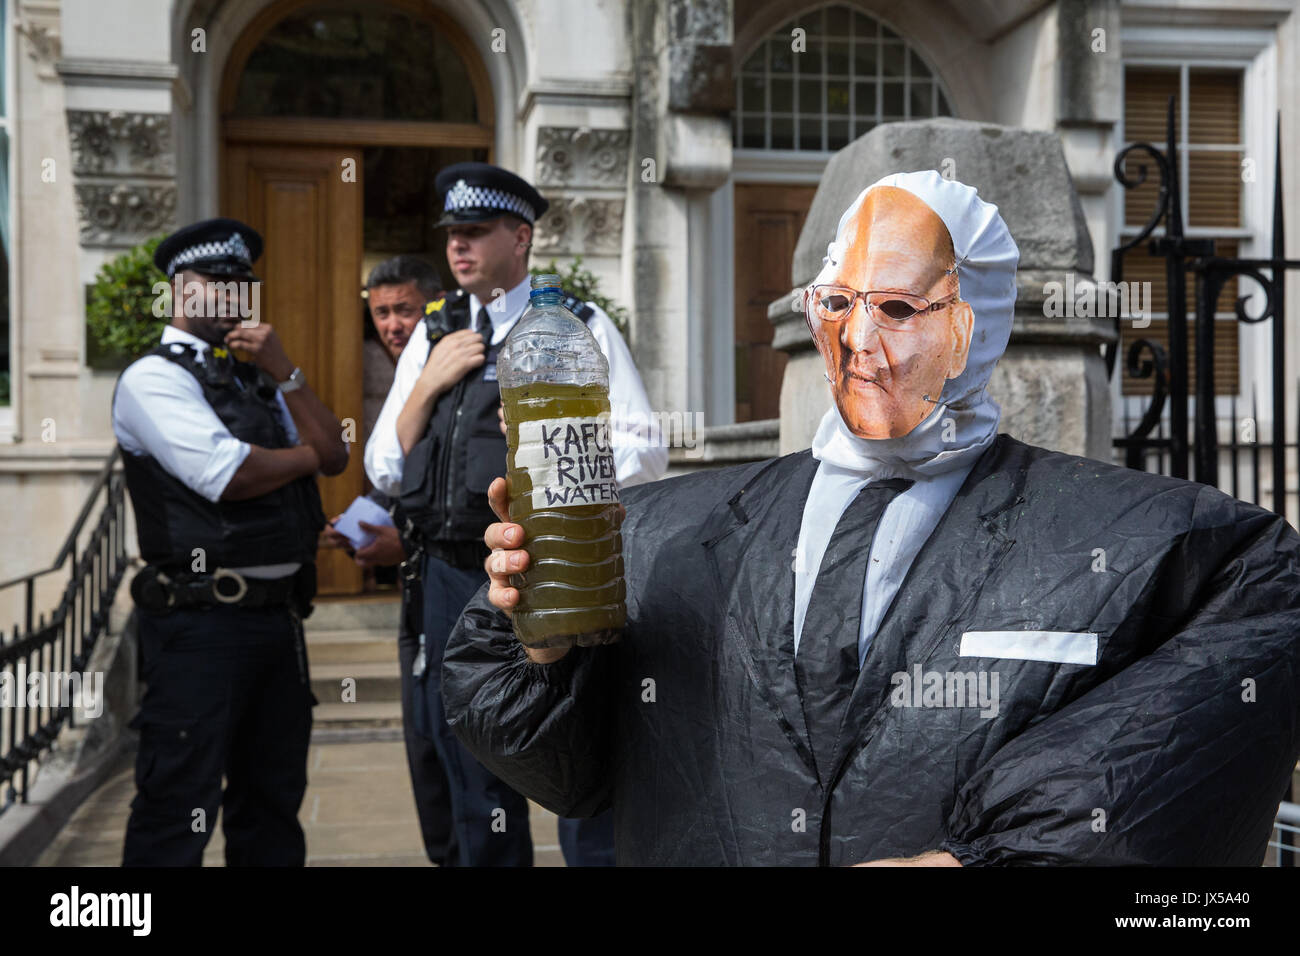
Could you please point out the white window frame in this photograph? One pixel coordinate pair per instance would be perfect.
(1253, 50)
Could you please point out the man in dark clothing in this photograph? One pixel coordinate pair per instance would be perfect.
(996, 654)
(221, 458)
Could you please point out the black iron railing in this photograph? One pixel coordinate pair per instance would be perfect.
(1170, 441)
(63, 643)
(1176, 444)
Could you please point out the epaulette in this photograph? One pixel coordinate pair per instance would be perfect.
(579, 308)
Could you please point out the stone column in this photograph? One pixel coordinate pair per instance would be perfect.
(1051, 383)
(681, 151)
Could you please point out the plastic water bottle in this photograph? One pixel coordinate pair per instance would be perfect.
(554, 383)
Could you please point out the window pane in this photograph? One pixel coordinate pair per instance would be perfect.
(782, 132)
(920, 99)
(810, 96)
(751, 133)
(865, 26)
(1214, 107)
(837, 96)
(810, 133)
(837, 58)
(862, 127)
(865, 56)
(864, 99)
(892, 53)
(782, 96)
(810, 61)
(757, 61)
(753, 95)
(892, 100)
(837, 134)
(1213, 188)
(358, 63)
(1146, 98)
(944, 108)
(782, 59)
(918, 68)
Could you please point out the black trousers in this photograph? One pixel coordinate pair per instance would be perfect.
(489, 819)
(428, 779)
(228, 694)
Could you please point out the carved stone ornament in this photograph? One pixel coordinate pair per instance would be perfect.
(121, 143)
(124, 214)
(581, 156)
(580, 225)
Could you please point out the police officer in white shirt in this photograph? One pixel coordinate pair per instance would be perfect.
(438, 444)
(221, 458)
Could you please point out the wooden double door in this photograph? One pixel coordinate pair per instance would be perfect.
(307, 202)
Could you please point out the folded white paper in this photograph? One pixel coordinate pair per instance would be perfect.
(349, 523)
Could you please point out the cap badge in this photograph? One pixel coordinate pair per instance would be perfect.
(458, 195)
(238, 248)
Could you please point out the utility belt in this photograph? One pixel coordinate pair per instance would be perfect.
(465, 555)
(160, 590)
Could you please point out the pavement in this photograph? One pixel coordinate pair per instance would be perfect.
(358, 811)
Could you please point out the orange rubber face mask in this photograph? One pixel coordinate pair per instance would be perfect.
(887, 315)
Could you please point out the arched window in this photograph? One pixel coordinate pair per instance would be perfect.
(847, 73)
(343, 61)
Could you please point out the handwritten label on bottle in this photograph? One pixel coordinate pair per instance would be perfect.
(570, 461)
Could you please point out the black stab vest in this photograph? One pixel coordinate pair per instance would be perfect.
(172, 519)
(446, 476)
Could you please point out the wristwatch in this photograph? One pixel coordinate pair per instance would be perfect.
(294, 382)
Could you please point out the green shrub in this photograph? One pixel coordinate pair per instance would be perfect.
(120, 324)
(583, 283)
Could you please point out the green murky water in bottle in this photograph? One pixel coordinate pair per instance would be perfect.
(560, 473)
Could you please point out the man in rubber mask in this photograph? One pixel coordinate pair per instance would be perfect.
(945, 674)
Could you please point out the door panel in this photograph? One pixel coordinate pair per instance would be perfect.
(311, 221)
(768, 220)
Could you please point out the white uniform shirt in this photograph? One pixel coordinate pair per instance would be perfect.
(636, 459)
(159, 410)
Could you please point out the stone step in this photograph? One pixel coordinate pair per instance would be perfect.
(368, 614)
(376, 682)
(338, 716)
(339, 647)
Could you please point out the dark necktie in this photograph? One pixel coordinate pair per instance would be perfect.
(826, 664)
(483, 325)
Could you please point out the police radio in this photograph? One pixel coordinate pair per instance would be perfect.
(437, 322)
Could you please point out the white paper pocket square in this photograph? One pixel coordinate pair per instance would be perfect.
(1061, 647)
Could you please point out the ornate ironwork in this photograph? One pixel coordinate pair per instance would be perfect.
(67, 640)
(1211, 273)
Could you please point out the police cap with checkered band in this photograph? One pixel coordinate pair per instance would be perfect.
(477, 192)
(215, 247)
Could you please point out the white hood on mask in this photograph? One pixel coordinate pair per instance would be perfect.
(986, 270)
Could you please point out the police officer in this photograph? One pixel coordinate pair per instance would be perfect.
(400, 292)
(221, 457)
(438, 444)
